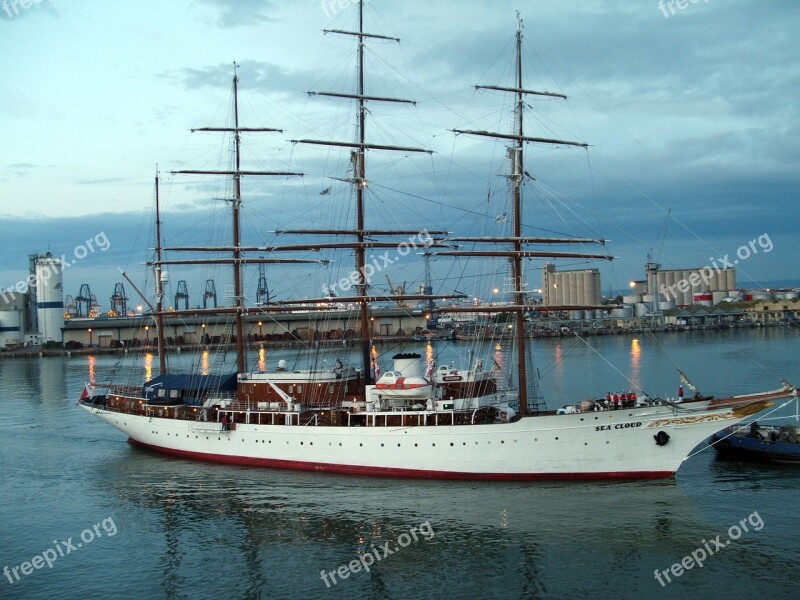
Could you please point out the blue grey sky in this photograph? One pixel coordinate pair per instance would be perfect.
(687, 109)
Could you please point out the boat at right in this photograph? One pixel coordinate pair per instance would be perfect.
(759, 443)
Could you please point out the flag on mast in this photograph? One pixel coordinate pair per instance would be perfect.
(686, 382)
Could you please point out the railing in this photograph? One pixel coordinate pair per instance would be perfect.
(207, 427)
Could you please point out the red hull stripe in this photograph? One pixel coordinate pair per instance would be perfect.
(396, 472)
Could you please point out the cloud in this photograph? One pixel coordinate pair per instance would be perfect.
(240, 13)
(262, 76)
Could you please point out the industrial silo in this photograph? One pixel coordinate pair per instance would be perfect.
(49, 298)
(10, 328)
(730, 277)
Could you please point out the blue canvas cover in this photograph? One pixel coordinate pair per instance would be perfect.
(188, 389)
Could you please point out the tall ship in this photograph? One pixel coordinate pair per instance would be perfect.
(417, 418)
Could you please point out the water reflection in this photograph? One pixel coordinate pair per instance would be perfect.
(148, 366)
(92, 369)
(204, 362)
(51, 379)
(636, 356)
(262, 359)
(260, 518)
(376, 369)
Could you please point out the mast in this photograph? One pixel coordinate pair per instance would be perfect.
(236, 202)
(517, 241)
(516, 261)
(162, 354)
(360, 172)
(358, 157)
(238, 294)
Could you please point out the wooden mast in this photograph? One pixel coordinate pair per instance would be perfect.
(360, 173)
(237, 173)
(360, 177)
(516, 261)
(516, 256)
(238, 293)
(162, 354)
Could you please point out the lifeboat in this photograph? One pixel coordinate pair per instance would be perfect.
(393, 384)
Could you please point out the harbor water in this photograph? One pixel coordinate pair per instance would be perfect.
(85, 515)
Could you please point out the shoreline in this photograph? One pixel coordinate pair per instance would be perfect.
(452, 335)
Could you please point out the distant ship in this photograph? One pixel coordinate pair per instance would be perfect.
(417, 420)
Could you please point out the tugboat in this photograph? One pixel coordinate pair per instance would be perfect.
(765, 443)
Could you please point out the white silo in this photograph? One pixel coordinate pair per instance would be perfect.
(681, 277)
(652, 283)
(10, 326)
(572, 288)
(715, 285)
(49, 298)
(730, 278)
(670, 293)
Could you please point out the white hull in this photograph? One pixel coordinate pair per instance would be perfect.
(593, 445)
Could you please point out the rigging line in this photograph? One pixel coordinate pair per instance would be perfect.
(610, 364)
(453, 206)
(594, 190)
(793, 327)
(675, 218)
(464, 210)
(737, 428)
(546, 369)
(553, 197)
(736, 349)
(663, 351)
(729, 344)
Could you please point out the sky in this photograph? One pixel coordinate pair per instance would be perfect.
(690, 110)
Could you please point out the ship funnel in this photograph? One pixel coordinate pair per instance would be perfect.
(408, 365)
